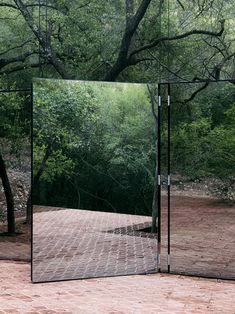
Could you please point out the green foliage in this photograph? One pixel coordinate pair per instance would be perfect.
(103, 141)
(62, 118)
(14, 123)
(203, 144)
(104, 145)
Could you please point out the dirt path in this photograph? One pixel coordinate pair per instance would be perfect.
(202, 237)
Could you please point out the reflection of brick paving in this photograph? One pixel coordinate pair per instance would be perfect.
(70, 244)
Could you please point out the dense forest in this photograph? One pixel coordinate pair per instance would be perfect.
(94, 143)
(144, 41)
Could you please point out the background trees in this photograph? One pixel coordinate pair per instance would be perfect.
(122, 40)
(103, 152)
(14, 139)
(119, 40)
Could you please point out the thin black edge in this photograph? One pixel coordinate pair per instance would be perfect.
(31, 188)
(159, 185)
(197, 82)
(151, 272)
(218, 278)
(169, 174)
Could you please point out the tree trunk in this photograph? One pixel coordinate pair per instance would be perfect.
(155, 201)
(155, 208)
(36, 180)
(9, 197)
(29, 209)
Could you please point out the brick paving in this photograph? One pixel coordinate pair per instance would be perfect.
(150, 294)
(72, 244)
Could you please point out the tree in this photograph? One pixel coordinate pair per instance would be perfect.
(14, 126)
(124, 40)
(61, 118)
(9, 197)
(91, 36)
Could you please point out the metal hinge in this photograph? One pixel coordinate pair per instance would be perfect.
(169, 100)
(159, 101)
(168, 260)
(159, 179)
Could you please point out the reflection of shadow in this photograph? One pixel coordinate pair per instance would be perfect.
(137, 230)
(72, 244)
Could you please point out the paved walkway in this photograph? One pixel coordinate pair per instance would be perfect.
(72, 243)
(150, 294)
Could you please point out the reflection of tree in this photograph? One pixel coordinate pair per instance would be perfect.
(155, 202)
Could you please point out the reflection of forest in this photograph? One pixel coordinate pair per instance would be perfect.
(99, 144)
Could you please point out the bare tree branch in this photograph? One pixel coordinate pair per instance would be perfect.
(131, 26)
(8, 5)
(16, 47)
(194, 94)
(20, 58)
(153, 102)
(154, 43)
(181, 4)
(44, 40)
(19, 68)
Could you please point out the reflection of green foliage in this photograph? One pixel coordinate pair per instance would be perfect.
(62, 116)
(103, 141)
(102, 137)
(203, 144)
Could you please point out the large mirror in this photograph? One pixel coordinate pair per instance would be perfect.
(198, 229)
(93, 168)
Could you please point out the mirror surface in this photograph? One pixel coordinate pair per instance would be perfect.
(93, 167)
(202, 168)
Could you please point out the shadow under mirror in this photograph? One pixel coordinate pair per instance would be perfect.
(94, 160)
(202, 160)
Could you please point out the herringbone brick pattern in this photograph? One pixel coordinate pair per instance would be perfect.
(73, 244)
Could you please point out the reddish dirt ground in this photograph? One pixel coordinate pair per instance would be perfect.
(202, 237)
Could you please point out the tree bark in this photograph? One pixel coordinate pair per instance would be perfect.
(132, 23)
(155, 191)
(9, 197)
(155, 201)
(36, 180)
(44, 40)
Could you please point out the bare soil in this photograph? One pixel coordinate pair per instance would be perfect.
(23, 233)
